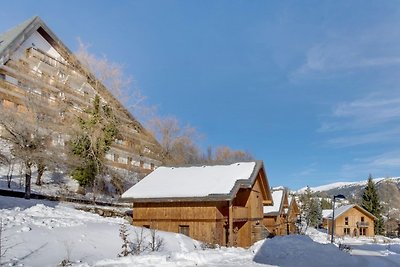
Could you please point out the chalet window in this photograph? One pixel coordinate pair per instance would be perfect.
(2, 76)
(346, 221)
(116, 157)
(363, 231)
(362, 219)
(184, 229)
(129, 160)
(141, 164)
(346, 231)
(152, 166)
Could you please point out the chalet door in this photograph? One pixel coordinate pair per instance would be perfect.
(184, 229)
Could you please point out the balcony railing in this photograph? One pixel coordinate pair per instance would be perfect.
(362, 224)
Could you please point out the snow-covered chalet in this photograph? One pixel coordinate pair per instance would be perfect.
(275, 216)
(217, 204)
(351, 220)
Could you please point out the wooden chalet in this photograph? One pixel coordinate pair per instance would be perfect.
(351, 220)
(221, 204)
(292, 216)
(275, 216)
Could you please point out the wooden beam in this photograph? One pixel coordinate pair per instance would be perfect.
(230, 221)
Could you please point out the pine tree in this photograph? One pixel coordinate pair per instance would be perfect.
(371, 203)
(311, 208)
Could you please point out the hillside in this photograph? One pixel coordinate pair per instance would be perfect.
(388, 191)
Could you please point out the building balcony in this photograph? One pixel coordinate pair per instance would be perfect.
(240, 214)
(362, 224)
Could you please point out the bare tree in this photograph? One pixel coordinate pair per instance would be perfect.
(29, 129)
(178, 142)
(123, 234)
(138, 246)
(8, 160)
(224, 154)
(112, 75)
(156, 242)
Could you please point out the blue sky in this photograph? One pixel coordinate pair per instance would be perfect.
(310, 87)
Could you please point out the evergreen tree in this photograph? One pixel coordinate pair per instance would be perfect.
(97, 130)
(325, 204)
(311, 208)
(371, 203)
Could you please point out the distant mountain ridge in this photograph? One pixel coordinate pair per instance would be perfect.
(338, 185)
(388, 192)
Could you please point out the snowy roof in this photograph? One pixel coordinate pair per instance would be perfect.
(210, 182)
(277, 198)
(341, 210)
(326, 213)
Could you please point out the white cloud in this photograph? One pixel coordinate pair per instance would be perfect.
(375, 110)
(344, 51)
(382, 165)
(383, 136)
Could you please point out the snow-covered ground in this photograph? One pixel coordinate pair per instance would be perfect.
(42, 233)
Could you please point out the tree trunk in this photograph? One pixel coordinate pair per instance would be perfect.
(28, 175)
(9, 175)
(41, 169)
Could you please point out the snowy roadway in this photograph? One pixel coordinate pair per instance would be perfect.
(41, 233)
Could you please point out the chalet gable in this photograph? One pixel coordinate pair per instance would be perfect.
(293, 207)
(343, 209)
(280, 203)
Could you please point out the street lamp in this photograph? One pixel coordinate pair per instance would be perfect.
(333, 214)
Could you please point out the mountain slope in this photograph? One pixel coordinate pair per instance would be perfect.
(388, 192)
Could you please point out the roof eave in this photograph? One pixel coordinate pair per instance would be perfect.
(210, 198)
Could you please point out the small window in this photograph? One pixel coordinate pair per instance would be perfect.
(362, 218)
(2, 76)
(346, 231)
(146, 226)
(184, 229)
(346, 221)
(141, 164)
(152, 166)
(116, 157)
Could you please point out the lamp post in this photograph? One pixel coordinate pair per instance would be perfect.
(333, 214)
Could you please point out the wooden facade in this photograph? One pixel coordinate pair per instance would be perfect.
(35, 63)
(276, 217)
(352, 220)
(293, 215)
(234, 219)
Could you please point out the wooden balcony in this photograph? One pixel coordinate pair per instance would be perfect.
(362, 224)
(240, 214)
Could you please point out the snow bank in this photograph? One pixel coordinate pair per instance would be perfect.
(300, 250)
(43, 233)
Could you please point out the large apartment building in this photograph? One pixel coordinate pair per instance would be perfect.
(34, 60)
